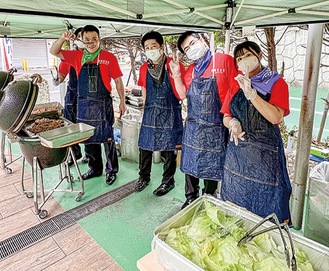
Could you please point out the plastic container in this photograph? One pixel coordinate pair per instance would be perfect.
(131, 124)
(316, 225)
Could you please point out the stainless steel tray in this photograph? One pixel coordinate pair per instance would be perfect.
(52, 109)
(30, 122)
(66, 136)
(135, 98)
(172, 260)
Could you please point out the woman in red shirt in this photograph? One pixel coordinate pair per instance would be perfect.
(255, 172)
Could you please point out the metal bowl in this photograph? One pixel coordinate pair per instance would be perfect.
(47, 157)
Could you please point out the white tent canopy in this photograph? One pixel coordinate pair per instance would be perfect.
(48, 19)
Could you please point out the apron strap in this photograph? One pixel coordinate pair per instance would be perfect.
(213, 65)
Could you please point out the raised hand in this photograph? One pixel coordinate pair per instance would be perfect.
(174, 65)
(245, 85)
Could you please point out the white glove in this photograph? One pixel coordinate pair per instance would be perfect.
(235, 130)
(56, 82)
(174, 65)
(245, 84)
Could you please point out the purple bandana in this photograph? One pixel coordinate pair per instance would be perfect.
(201, 64)
(264, 81)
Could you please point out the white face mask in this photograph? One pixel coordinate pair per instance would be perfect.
(154, 55)
(248, 64)
(79, 44)
(196, 51)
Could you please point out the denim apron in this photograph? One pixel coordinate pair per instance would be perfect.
(204, 136)
(94, 104)
(162, 125)
(255, 174)
(70, 111)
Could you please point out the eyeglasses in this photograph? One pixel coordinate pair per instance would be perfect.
(192, 42)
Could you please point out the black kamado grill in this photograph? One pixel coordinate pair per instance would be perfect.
(5, 78)
(43, 149)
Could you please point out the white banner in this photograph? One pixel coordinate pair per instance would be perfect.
(6, 53)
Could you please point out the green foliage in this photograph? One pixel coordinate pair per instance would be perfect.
(285, 131)
(219, 38)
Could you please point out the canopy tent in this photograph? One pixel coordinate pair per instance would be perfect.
(48, 19)
(128, 18)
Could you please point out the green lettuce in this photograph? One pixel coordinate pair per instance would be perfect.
(210, 240)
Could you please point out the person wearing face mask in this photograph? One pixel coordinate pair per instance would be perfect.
(95, 69)
(255, 175)
(70, 99)
(207, 81)
(162, 126)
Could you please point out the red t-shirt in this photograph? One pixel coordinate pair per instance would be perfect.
(108, 65)
(279, 97)
(143, 74)
(224, 71)
(64, 68)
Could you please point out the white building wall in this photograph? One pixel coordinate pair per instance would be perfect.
(292, 50)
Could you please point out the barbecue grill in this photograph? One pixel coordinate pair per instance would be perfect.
(43, 149)
(5, 78)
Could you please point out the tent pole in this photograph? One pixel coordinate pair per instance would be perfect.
(323, 120)
(212, 41)
(227, 41)
(310, 83)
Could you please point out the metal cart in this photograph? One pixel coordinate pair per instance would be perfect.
(40, 194)
(6, 160)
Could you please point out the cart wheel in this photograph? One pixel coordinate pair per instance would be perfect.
(8, 170)
(29, 195)
(43, 214)
(78, 198)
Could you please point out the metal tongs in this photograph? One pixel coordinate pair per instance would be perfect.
(283, 226)
(54, 74)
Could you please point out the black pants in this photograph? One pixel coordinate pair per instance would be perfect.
(169, 166)
(192, 187)
(77, 151)
(94, 154)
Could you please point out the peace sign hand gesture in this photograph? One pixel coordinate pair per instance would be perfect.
(174, 65)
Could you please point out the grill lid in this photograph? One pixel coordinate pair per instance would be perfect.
(16, 103)
(6, 77)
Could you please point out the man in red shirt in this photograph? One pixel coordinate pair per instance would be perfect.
(162, 125)
(95, 69)
(70, 104)
(207, 82)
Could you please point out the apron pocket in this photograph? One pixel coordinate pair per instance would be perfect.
(255, 162)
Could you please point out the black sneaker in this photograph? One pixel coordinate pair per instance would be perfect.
(141, 184)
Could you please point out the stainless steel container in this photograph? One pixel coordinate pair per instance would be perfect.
(318, 254)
